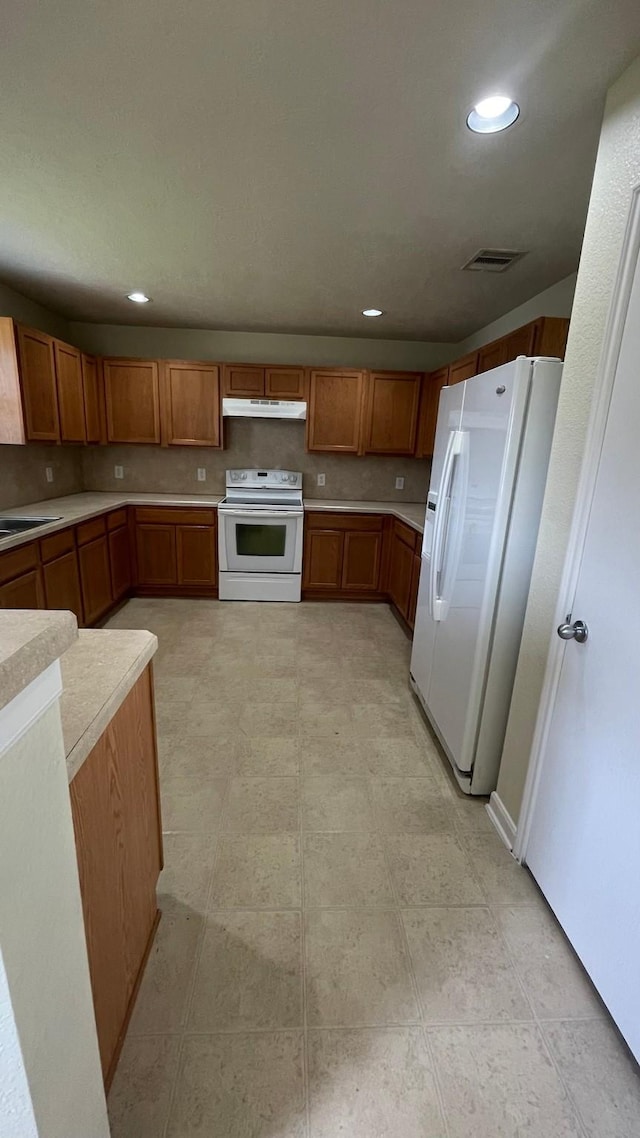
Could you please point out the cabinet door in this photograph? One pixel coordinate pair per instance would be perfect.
(431, 387)
(62, 584)
(38, 379)
(191, 404)
(132, 401)
(493, 355)
(119, 562)
(196, 554)
(334, 414)
(413, 592)
(392, 412)
(285, 383)
(24, 592)
(464, 368)
(400, 572)
(519, 343)
(241, 379)
(156, 552)
(95, 578)
(361, 563)
(92, 399)
(322, 562)
(70, 393)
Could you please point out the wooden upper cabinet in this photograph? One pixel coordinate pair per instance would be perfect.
(492, 355)
(70, 393)
(93, 407)
(550, 336)
(190, 404)
(38, 382)
(132, 401)
(391, 412)
(464, 368)
(335, 411)
(285, 383)
(519, 343)
(431, 387)
(242, 380)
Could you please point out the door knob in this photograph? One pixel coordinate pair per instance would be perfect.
(577, 631)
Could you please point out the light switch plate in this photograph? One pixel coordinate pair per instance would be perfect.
(201, 474)
(321, 479)
(118, 471)
(48, 473)
(399, 483)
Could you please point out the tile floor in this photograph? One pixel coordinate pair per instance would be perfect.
(346, 949)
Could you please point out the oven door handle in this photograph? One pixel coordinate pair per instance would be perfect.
(264, 514)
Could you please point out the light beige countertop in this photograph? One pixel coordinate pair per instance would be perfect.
(30, 640)
(75, 508)
(98, 672)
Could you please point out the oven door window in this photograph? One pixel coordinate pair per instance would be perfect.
(255, 540)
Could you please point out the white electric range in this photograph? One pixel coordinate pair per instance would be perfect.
(260, 524)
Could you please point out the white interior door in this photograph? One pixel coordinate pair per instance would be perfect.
(584, 842)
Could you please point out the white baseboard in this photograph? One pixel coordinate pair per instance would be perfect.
(501, 820)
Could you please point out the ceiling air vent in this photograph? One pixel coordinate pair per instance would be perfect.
(493, 260)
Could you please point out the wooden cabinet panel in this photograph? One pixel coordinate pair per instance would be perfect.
(156, 554)
(492, 355)
(325, 520)
(361, 563)
(17, 561)
(62, 584)
(57, 544)
(400, 573)
(334, 414)
(117, 518)
(190, 404)
(88, 531)
(116, 819)
(413, 591)
(186, 516)
(242, 379)
(119, 562)
(38, 381)
(519, 343)
(322, 561)
(93, 410)
(95, 578)
(464, 368)
(285, 383)
(24, 592)
(70, 393)
(132, 400)
(550, 337)
(431, 387)
(196, 555)
(392, 412)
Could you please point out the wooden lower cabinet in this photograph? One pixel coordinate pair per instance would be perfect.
(176, 551)
(120, 562)
(95, 578)
(61, 580)
(400, 573)
(322, 560)
(361, 561)
(342, 554)
(116, 817)
(196, 555)
(156, 553)
(413, 593)
(24, 592)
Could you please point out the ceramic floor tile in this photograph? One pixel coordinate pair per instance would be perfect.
(262, 806)
(141, 1090)
(346, 870)
(275, 720)
(357, 971)
(410, 806)
(381, 720)
(603, 1080)
(555, 981)
(462, 967)
(336, 802)
(161, 1002)
(389, 758)
(210, 722)
(255, 871)
(323, 718)
(268, 757)
(249, 974)
(240, 1086)
(432, 869)
(188, 864)
(332, 756)
(499, 1082)
(372, 1082)
(504, 881)
(181, 756)
(470, 814)
(192, 804)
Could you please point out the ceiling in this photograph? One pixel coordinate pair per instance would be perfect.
(272, 165)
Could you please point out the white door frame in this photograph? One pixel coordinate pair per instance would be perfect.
(586, 487)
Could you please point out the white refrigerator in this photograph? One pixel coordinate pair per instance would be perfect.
(490, 460)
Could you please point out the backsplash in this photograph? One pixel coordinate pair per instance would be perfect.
(254, 443)
(22, 473)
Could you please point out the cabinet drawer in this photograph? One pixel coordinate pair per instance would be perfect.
(327, 520)
(18, 561)
(89, 531)
(57, 544)
(409, 536)
(169, 515)
(117, 518)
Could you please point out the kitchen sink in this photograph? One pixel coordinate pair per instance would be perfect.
(16, 524)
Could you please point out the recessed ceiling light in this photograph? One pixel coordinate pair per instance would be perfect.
(138, 297)
(493, 114)
(372, 312)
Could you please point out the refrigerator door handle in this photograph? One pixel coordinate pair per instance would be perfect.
(454, 447)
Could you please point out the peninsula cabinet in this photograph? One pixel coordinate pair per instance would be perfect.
(190, 404)
(343, 555)
(269, 382)
(391, 417)
(132, 400)
(335, 412)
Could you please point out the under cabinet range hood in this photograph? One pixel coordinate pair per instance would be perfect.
(265, 408)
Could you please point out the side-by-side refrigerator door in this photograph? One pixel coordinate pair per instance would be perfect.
(447, 429)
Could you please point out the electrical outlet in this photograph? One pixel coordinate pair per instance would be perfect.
(321, 479)
(399, 483)
(118, 472)
(48, 473)
(201, 474)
